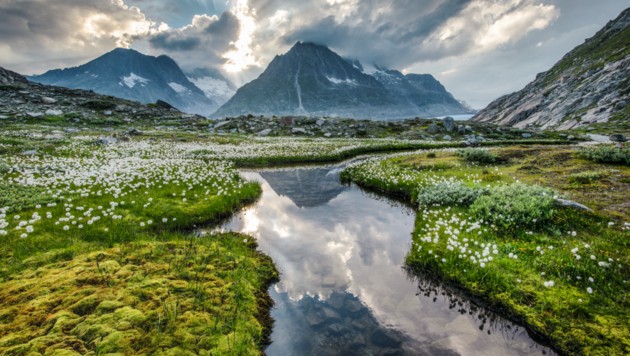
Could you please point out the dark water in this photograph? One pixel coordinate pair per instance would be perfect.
(343, 289)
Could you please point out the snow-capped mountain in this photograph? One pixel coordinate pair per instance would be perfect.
(128, 74)
(313, 80)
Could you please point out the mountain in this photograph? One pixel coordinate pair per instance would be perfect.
(312, 80)
(131, 75)
(590, 84)
(214, 85)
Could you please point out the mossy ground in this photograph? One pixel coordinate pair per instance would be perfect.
(187, 296)
(578, 303)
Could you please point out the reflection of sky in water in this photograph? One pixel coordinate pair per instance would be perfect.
(348, 242)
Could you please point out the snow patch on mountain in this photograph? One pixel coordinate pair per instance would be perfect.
(214, 88)
(346, 81)
(179, 89)
(132, 79)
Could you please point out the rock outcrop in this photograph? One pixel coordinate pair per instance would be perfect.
(591, 84)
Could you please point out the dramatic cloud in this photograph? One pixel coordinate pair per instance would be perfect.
(479, 49)
(36, 35)
(203, 43)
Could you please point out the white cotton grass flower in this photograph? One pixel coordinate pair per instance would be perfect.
(589, 290)
(549, 284)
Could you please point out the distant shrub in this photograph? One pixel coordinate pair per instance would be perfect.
(607, 154)
(515, 205)
(587, 177)
(477, 155)
(431, 155)
(448, 193)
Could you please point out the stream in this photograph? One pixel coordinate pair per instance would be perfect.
(343, 287)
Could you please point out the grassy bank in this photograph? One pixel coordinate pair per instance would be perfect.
(99, 254)
(562, 272)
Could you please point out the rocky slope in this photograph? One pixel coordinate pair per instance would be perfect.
(589, 85)
(312, 80)
(132, 75)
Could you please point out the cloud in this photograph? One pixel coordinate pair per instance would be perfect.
(38, 33)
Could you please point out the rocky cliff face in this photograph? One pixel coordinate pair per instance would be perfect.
(128, 74)
(9, 77)
(312, 80)
(591, 84)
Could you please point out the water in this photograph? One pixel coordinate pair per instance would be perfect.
(343, 289)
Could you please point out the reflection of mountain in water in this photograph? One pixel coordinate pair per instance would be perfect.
(305, 187)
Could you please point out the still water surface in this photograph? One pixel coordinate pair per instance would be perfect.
(343, 289)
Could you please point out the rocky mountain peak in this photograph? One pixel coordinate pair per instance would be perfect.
(129, 74)
(312, 80)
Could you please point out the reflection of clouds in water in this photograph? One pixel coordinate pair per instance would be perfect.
(357, 244)
(314, 248)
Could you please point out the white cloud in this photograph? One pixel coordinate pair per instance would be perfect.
(485, 25)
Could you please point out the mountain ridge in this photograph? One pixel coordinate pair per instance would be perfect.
(589, 85)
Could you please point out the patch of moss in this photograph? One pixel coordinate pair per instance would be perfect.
(190, 296)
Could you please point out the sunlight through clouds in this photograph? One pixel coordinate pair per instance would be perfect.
(242, 56)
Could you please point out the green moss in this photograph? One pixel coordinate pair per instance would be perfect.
(183, 300)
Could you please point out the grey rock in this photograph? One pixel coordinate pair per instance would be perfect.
(53, 112)
(447, 138)
(106, 141)
(108, 113)
(320, 122)
(48, 100)
(572, 204)
(571, 137)
(449, 123)
(134, 132)
(433, 129)
(617, 138)
(327, 134)
(29, 153)
(35, 114)
(526, 135)
(221, 124)
(264, 133)
(298, 131)
(3, 117)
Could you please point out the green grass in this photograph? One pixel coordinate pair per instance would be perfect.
(534, 271)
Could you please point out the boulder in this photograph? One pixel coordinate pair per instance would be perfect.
(449, 123)
(617, 138)
(526, 135)
(433, 129)
(447, 138)
(264, 133)
(53, 112)
(298, 131)
(35, 114)
(48, 100)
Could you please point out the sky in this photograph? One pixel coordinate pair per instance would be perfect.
(479, 49)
